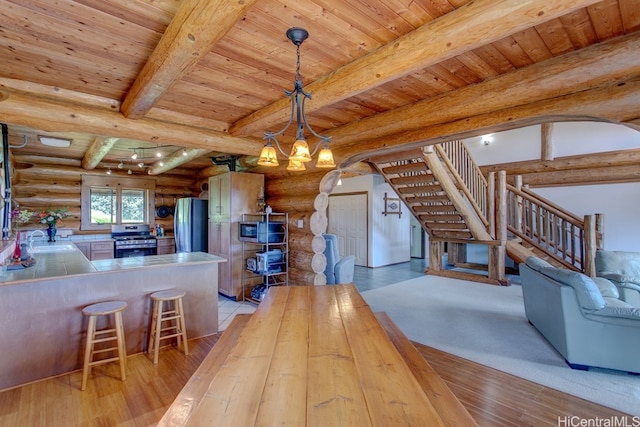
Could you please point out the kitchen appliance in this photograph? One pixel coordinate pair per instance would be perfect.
(133, 240)
(269, 262)
(261, 232)
(190, 225)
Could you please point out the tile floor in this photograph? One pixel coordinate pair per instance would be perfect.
(364, 278)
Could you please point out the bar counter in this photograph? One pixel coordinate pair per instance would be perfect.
(315, 356)
(42, 328)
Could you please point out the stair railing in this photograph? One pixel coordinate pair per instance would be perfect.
(467, 175)
(546, 226)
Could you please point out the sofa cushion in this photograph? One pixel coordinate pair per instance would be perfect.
(589, 296)
(617, 308)
(536, 263)
(607, 288)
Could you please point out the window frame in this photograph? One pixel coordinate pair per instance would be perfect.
(119, 184)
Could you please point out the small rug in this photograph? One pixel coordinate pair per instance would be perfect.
(487, 324)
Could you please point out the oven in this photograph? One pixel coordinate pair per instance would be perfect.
(133, 240)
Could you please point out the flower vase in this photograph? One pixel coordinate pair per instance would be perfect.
(51, 232)
(17, 252)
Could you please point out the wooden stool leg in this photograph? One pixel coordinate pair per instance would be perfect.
(183, 327)
(152, 331)
(157, 331)
(88, 351)
(122, 348)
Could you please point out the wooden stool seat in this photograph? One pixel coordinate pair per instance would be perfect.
(105, 335)
(173, 319)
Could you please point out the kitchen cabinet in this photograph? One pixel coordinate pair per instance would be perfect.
(85, 248)
(231, 195)
(166, 245)
(94, 250)
(102, 250)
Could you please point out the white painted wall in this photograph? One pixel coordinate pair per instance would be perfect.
(388, 236)
(620, 203)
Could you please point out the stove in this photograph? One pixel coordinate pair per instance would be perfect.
(133, 240)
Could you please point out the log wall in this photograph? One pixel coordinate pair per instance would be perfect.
(305, 198)
(39, 183)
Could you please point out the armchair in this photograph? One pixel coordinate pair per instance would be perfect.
(623, 270)
(338, 270)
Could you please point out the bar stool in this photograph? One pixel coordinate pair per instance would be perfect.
(174, 318)
(105, 335)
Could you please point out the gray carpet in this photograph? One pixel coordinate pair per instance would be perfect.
(487, 324)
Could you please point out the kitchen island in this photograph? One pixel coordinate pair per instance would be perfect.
(42, 328)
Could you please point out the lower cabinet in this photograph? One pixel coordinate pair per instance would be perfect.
(166, 245)
(96, 250)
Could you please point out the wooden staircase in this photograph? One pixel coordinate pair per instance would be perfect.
(455, 203)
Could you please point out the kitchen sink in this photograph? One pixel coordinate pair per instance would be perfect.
(44, 249)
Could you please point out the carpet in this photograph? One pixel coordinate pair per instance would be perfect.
(487, 324)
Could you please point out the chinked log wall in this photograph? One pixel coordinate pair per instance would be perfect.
(39, 183)
(302, 198)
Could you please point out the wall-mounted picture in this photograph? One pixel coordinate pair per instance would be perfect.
(392, 206)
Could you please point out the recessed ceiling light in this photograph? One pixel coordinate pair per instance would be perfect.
(53, 141)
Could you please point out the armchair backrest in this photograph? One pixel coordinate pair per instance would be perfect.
(620, 262)
(332, 256)
(339, 270)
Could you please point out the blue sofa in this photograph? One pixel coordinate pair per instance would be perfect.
(623, 270)
(581, 317)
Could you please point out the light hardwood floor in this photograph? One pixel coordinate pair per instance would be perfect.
(492, 397)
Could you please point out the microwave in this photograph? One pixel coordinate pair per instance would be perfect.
(261, 232)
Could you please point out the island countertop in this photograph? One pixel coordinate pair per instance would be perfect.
(50, 265)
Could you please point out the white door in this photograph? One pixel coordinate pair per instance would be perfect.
(348, 221)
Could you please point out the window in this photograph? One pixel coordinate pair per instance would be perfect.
(111, 200)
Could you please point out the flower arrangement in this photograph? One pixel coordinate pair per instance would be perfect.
(52, 216)
(21, 216)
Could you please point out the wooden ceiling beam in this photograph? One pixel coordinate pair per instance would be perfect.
(53, 116)
(581, 161)
(97, 150)
(196, 27)
(176, 159)
(471, 26)
(613, 103)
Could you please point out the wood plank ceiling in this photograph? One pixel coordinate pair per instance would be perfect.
(209, 75)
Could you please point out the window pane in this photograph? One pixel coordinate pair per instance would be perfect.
(103, 205)
(133, 206)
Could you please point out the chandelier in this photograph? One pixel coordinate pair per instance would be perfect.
(299, 154)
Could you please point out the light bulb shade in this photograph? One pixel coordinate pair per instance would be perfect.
(295, 166)
(325, 159)
(300, 151)
(268, 156)
(134, 155)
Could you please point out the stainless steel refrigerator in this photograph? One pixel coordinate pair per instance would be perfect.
(190, 225)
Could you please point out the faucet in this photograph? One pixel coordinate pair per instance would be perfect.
(31, 237)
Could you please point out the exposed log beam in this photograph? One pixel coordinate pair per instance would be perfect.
(546, 141)
(591, 67)
(472, 25)
(582, 161)
(196, 27)
(96, 152)
(176, 159)
(609, 175)
(54, 116)
(613, 103)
